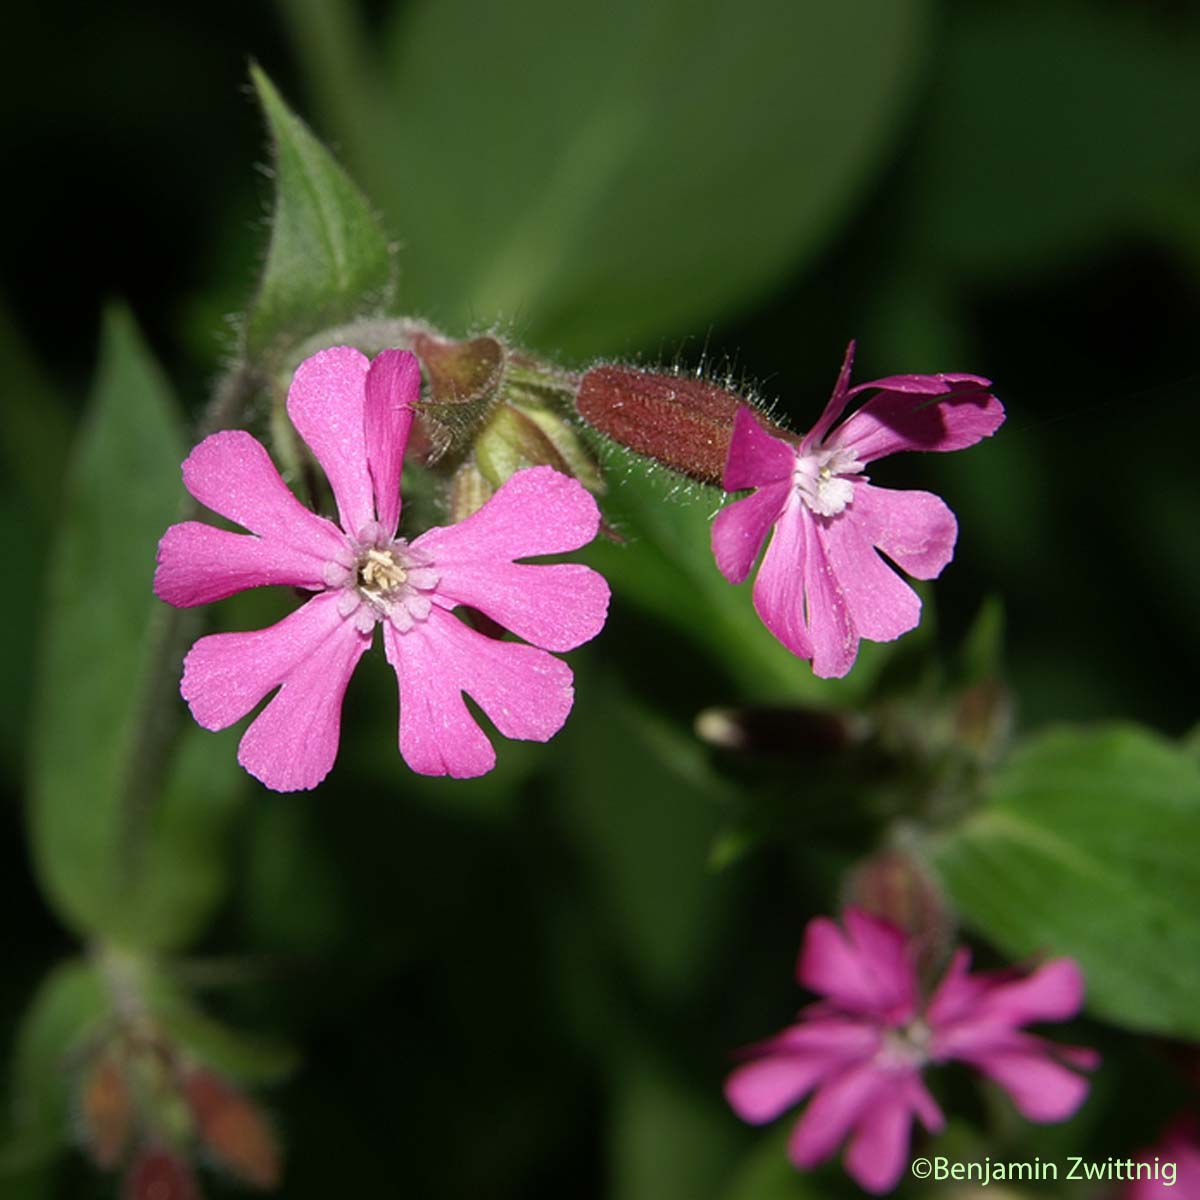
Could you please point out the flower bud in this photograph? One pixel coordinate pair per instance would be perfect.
(469, 492)
(234, 1130)
(791, 732)
(983, 718)
(681, 421)
(157, 1174)
(464, 383)
(105, 1111)
(510, 442)
(894, 885)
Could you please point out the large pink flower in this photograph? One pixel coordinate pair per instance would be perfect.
(822, 585)
(355, 416)
(864, 1047)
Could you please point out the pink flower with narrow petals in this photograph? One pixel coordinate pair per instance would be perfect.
(355, 416)
(863, 1048)
(1170, 1168)
(822, 585)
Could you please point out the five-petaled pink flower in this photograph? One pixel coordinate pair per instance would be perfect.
(862, 1048)
(355, 416)
(822, 586)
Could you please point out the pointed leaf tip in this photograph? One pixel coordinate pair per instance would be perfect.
(328, 259)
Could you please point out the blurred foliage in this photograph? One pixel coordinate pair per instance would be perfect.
(530, 984)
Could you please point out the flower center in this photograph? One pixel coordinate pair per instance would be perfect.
(908, 1046)
(388, 581)
(818, 478)
(381, 575)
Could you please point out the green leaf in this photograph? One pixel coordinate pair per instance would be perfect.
(1088, 848)
(1050, 126)
(68, 1006)
(611, 173)
(125, 833)
(329, 259)
(248, 1058)
(666, 567)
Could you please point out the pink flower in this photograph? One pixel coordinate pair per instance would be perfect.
(864, 1047)
(822, 586)
(1171, 1167)
(355, 417)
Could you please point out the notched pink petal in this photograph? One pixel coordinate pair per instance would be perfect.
(326, 403)
(1054, 992)
(231, 473)
(198, 564)
(779, 596)
(1042, 1089)
(833, 1112)
(760, 1091)
(830, 626)
(557, 606)
(878, 1153)
(226, 674)
(907, 420)
(868, 972)
(739, 530)
(916, 530)
(536, 511)
(755, 456)
(837, 402)
(392, 388)
(291, 745)
(525, 692)
(881, 605)
(921, 385)
(955, 996)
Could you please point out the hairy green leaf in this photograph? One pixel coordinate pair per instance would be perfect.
(328, 259)
(125, 818)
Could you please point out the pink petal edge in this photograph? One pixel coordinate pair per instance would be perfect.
(392, 388)
(326, 403)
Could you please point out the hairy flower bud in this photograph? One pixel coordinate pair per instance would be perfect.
(894, 885)
(105, 1111)
(789, 732)
(681, 421)
(234, 1130)
(157, 1174)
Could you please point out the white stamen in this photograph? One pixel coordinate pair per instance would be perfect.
(819, 478)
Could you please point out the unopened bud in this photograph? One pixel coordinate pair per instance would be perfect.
(983, 718)
(464, 383)
(234, 1130)
(106, 1112)
(790, 732)
(681, 421)
(510, 442)
(894, 885)
(469, 492)
(157, 1174)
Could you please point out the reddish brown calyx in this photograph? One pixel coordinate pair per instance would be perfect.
(683, 422)
(464, 385)
(234, 1130)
